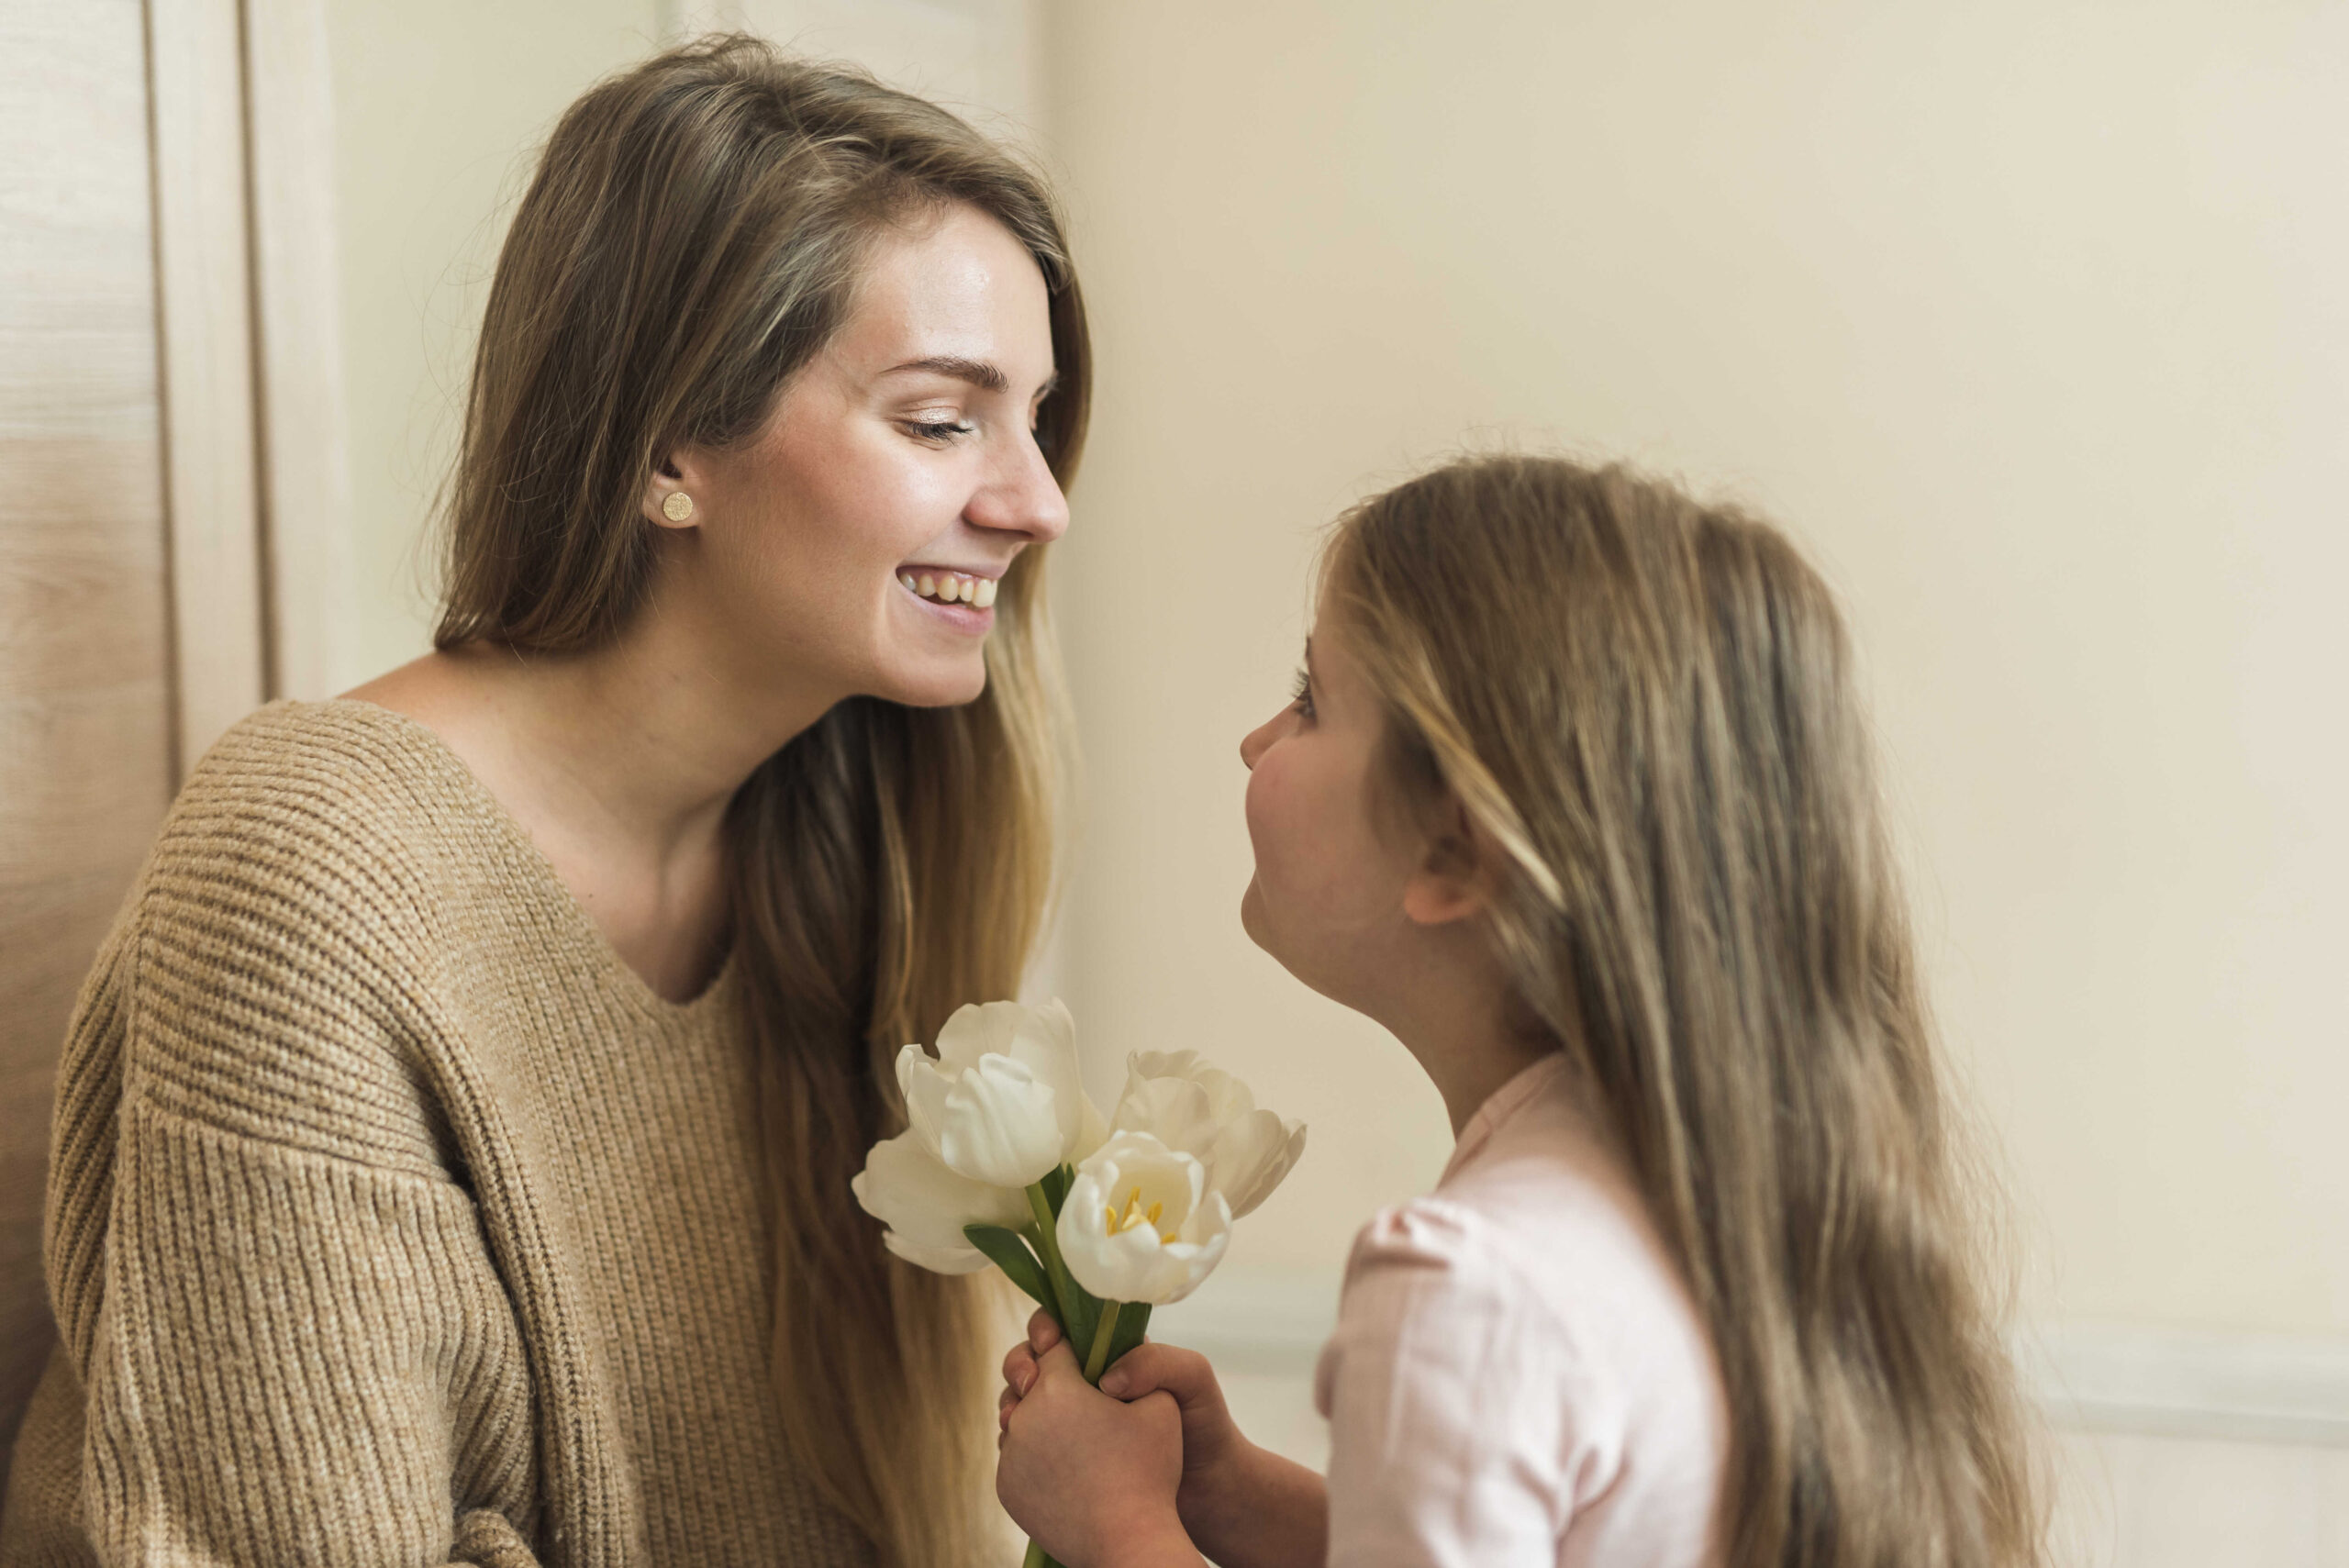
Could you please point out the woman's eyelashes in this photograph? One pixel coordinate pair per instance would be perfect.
(937, 431)
(1302, 697)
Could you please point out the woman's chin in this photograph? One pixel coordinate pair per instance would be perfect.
(943, 687)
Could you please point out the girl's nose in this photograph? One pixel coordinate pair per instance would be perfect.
(1253, 745)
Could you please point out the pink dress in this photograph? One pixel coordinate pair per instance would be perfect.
(1519, 1376)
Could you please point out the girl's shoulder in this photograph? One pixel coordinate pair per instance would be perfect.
(1538, 1242)
(1516, 1358)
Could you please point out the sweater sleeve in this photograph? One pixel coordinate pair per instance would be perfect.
(291, 1342)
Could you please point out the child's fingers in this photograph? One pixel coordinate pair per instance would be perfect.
(1042, 1332)
(1058, 1362)
(1184, 1374)
(1018, 1368)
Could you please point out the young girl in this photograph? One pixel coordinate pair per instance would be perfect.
(1576, 799)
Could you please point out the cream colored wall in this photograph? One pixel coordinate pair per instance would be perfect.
(2024, 319)
(981, 58)
(438, 106)
(2026, 316)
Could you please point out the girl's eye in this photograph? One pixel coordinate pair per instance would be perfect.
(1302, 697)
(939, 430)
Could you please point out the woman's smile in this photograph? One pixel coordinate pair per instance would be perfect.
(963, 600)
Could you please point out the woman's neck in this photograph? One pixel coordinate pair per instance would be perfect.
(618, 763)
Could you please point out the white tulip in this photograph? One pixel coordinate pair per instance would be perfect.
(925, 1205)
(1208, 1114)
(1003, 1104)
(1140, 1223)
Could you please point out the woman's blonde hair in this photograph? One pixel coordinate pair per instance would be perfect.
(693, 234)
(1647, 709)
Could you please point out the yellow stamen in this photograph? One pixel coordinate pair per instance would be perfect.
(1134, 1215)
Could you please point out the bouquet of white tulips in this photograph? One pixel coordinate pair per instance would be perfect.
(1008, 1162)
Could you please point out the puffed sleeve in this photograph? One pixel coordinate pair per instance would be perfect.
(1461, 1427)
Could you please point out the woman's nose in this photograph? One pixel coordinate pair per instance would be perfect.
(1022, 498)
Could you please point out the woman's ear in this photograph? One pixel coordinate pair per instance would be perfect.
(1450, 883)
(670, 501)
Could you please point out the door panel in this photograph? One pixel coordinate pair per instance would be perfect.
(86, 761)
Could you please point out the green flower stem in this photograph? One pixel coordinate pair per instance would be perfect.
(1096, 1361)
(1048, 1247)
(1036, 1557)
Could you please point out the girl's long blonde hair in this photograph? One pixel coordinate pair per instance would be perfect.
(693, 234)
(1647, 708)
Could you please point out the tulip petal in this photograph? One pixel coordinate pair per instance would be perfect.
(1044, 1040)
(977, 1029)
(937, 1260)
(1156, 1261)
(923, 1087)
(1229, 1099)
(1176, 1111)
(999, 1125)
(1176, 1097)
(975, 1041)
(925, 1206)
(1253, 1156)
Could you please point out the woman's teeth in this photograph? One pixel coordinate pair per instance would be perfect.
(951, 588)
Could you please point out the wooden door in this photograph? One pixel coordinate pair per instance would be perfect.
(86, 733)
(137, 568)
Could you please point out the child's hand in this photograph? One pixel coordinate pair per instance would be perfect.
(1214, 1452)
(1091, 1480)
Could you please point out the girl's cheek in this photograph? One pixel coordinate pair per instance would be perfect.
(1299, 861)
(1280, 823)
(1262, 801)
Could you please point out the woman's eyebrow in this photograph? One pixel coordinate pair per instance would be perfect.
(978, 372)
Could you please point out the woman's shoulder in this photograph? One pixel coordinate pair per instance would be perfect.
(340, 761)
(339, 808)
(267, 975)
(316, 846)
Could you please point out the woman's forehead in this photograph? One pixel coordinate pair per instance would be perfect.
(959, 293)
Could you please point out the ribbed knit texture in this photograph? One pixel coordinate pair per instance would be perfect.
(392, 1218)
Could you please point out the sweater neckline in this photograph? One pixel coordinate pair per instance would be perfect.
(547, 882)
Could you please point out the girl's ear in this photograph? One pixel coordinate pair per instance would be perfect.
(671, 500)
(1450, 883)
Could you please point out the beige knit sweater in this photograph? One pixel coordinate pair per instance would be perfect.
(392, 1218)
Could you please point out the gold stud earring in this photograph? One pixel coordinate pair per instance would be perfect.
(678, 506)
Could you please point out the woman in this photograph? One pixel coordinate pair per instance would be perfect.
(453, 1147)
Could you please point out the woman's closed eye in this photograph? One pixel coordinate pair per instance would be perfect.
(935, 430)
(1302, 697)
